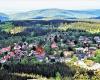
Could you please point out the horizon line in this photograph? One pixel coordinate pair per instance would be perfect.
(21, 11)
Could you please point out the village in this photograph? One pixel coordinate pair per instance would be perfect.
(56, 47)
(50, 40)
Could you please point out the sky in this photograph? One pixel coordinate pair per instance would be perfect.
(16, 6)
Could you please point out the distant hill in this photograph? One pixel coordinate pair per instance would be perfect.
(52, 14)
(56, 14)
(4, 17)
(96, 17)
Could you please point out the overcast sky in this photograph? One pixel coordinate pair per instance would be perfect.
(13, 6)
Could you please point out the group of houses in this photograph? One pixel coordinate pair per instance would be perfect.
(19, 50)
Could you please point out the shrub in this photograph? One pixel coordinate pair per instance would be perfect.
(79, 76)
(74, 59)
(97, 56)
(24, 61)
(58, 76)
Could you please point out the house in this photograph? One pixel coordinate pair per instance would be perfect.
(68, 53)
(71, 43)
(81, 38)
(97, 39)
(92, 51)
(81, 53)
(79, 50)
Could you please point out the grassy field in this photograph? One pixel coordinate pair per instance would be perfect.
(85, 26)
